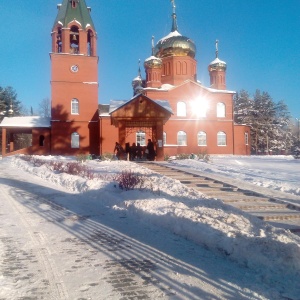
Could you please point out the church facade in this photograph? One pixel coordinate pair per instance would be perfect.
(169, 106)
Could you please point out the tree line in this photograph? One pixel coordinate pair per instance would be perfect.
(272, 128)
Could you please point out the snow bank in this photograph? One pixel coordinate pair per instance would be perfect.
(272, 252)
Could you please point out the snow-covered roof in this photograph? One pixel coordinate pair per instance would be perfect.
(171, 34)
(163, 87)
(28, 122)
(152, 57)
(165, 104)
(219, 91)
(167, 87)
(217, 61)
(115, 104)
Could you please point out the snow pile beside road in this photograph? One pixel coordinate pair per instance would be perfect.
(273, 253)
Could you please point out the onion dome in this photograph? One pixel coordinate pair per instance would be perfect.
(153, 62)
(217, 64)
(137, 85)
(137, 82)
(175, 44)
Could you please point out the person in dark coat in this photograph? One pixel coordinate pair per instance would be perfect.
(139, 153)
(150, 150)
(132, 152)
(118, 151)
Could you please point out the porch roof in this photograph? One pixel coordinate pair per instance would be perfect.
(26, 122)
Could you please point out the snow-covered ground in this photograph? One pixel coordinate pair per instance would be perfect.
(272, 254)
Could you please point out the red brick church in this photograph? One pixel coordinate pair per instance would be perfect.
(169, 105)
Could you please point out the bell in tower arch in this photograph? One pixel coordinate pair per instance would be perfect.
(74, 40)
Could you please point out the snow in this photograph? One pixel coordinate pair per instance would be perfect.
(171, 34)
(28, 122)
(217, 61)
(152, 57)
(270, 255)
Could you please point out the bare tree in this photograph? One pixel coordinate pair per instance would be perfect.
(45, 108)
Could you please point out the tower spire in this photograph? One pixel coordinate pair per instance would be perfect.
(152, 45)
(174, 17)
(139, 70)
(217, 50)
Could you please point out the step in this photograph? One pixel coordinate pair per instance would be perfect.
(243, 198)
(216, 191)
(258, 206)
(279, 216)
(263, 207)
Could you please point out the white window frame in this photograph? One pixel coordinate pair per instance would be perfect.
(221, 139)
(74, 106)
(140, 138)
(75, 140)
(181, 138)
(164, 138)
(221, 110)
(202, 138)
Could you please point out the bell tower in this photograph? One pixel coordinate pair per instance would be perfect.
(74, 81)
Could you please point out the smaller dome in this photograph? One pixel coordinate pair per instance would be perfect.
(153, 62)
(137, 81)
(217, 65)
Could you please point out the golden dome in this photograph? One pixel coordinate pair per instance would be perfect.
(153, 62)
(175, 44)
(217, 65)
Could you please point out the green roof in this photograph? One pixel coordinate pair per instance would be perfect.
(80, 13)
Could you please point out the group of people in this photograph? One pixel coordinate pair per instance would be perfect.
(135, 151)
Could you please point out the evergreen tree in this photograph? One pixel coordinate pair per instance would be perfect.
(243, 107)
(270, 122)
(283, 137)
(263, 119)
(9, 105)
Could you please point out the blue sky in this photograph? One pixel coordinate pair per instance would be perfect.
(259, 40)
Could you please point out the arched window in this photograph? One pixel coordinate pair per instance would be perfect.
(178, 68)
(181, 138)
(201, 138)
(141, 138)
(59, 40)
(74, 140)
(164, 138)
(221, 138)
(74, 40)
(221, 110)
(184, 68)
(74, 2)
(181, 109)
(90, 44)
(75, 107)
